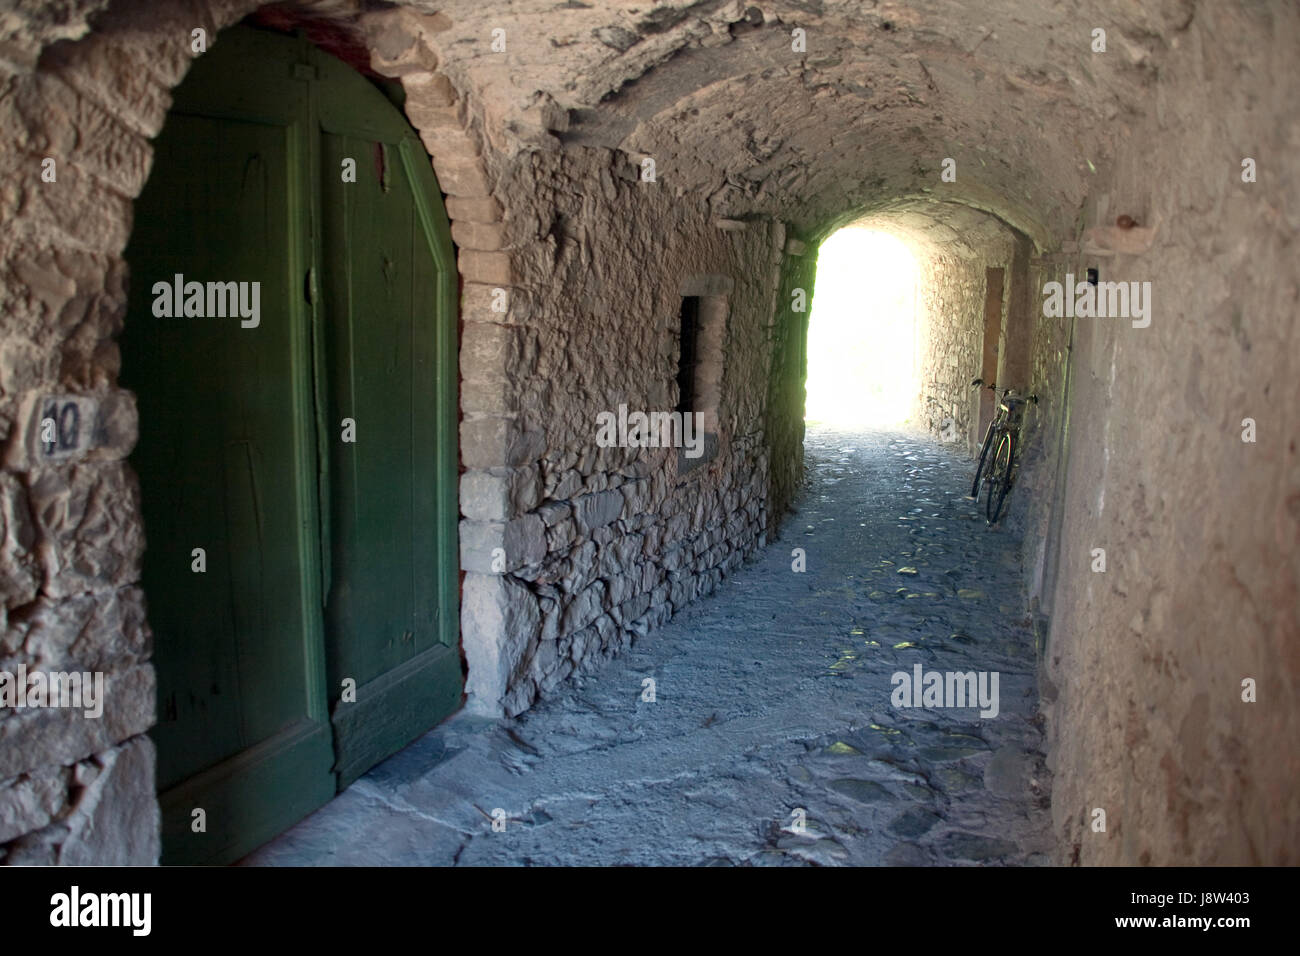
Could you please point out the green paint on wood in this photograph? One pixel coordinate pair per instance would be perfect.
(325, 560)
(388, 281)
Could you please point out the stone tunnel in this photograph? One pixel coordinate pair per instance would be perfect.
(312, 312)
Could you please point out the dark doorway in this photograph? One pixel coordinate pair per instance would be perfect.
(298, 465)
(993, 280)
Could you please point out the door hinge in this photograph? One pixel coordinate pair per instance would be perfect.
(309, 286)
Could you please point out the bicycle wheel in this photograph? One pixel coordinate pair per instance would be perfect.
(1000, 478)
(979, 469)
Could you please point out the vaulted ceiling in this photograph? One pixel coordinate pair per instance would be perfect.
(859, 120)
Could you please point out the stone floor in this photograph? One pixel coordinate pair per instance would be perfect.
(771, 696)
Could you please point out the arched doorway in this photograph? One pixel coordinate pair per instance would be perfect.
(862, 330)
(291, 338)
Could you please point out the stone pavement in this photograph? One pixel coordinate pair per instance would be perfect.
(773, 695)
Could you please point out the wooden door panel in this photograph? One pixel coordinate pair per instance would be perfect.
(225, 461)
(369, 327)
(390, 613)
(325, 560)
(215, 452)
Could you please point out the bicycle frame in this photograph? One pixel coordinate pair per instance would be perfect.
(1004, 429)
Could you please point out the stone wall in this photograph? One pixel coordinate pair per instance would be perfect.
(1136, 446)
(89, 90)
(950, 340)
(786, 383)
(1033, 510)
(599, 545)
(1145, 662)
(73, 536)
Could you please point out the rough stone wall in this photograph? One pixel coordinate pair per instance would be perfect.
(602, 544)
(1135, 448)
(1033, 510)
(950, 310)
(786, 383)
(1201, 529)
(1019, 306)
(71, 786)
(950, 340)
(90, 89)
(599, 544)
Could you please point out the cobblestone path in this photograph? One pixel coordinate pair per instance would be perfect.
(771, 696)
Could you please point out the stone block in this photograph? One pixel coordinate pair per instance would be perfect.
(484, 303)
(597, 510)
(53, 120)
(485, 495)
(499, 618)
(586, 606)
(116, 821)
(521, 543)
(50, 736)
(493, 268)
(555, 512)
(482, 209)
(129, 67)
(495, 441)
(92, 631)
(20, 572)
(32, 801)
(89, 515)
(487, 237)
(495, 396)
(482, 546)
(428, 91)
(432, 118)
(397, 41)
(458, 175)
(562, 535)
(492, 352)
(568, 485)
(75, 210)
(61, 428)
(525, 541)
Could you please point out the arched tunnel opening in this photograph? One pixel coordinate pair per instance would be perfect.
(761, 434)
(862, 330)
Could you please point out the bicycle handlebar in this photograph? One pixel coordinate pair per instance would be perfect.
(992, 386)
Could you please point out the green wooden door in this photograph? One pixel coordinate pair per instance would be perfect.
(325, 560)
(388, 273)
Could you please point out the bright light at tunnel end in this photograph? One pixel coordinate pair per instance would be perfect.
(862, 331)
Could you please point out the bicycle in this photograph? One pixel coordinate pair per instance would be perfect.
(1004, 435)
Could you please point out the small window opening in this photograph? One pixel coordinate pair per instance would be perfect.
(690, 354)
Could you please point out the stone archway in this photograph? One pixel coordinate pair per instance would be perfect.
(74, 537)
